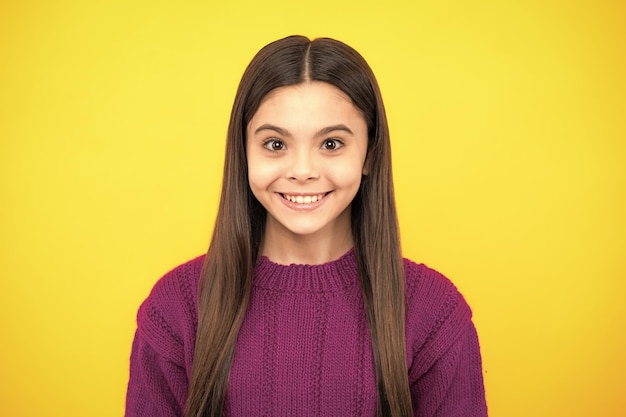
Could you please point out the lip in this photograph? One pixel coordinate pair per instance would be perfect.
(303, 206)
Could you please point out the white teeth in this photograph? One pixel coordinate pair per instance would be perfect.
(303, 199)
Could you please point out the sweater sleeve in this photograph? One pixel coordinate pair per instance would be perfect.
(453, 385)
(157, 386)
(162, 350)
(446, 367)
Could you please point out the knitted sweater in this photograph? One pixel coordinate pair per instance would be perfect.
(304, 347)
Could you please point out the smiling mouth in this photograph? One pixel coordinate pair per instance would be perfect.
(303, 199)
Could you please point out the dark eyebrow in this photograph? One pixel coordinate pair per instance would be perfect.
(322, 132)
(276, 129)
(334, 128)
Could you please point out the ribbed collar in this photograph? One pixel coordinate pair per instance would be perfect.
(329, 276)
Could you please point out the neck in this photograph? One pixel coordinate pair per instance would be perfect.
(283, 247)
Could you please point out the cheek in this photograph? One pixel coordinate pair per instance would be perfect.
(261, 174)
(346, 175)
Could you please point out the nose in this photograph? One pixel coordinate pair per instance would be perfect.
(303, 166)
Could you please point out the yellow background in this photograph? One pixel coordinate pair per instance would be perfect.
(508, 129)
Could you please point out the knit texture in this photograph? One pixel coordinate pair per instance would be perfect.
(304, 347)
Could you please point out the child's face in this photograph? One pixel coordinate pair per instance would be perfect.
(306, 149)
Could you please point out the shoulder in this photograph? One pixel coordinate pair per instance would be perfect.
(437, 314)
(167, 319)
(429, 288)
(178, 285)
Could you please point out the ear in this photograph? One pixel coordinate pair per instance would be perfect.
(367, 164)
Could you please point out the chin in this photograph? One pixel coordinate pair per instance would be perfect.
(302, 230)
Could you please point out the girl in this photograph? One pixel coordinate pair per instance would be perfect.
(303, 305)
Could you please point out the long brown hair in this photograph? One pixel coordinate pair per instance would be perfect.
(226, 280)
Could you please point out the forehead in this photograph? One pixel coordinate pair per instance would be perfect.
(309, 102)
(319, 88)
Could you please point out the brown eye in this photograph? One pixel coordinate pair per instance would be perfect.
(274, 145)
(332, 144)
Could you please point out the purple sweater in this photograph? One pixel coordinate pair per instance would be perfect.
(304, 347)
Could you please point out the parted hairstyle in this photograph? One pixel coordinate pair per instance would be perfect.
(226, 280)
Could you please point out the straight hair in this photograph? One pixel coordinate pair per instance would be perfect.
(227, 275)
